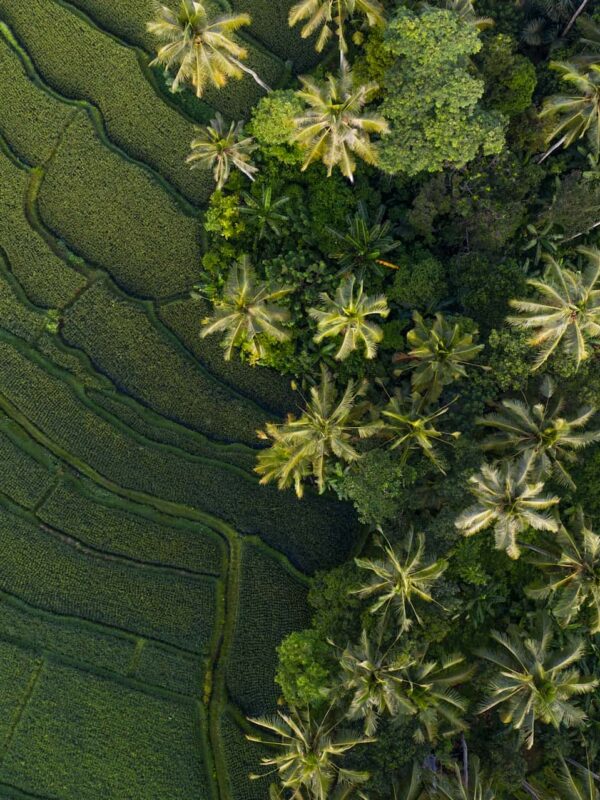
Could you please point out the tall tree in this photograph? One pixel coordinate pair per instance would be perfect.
(325, 14)
(346, 314)
(567, 315)
(535, 682)
(246, 312)
(577, 114)
(203, 51)
(511, 503)
(220, 149)
(334, 127)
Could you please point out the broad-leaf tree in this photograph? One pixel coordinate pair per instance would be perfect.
(309, 753)
(541, 433)
(401, 579)
(510, 501)
(347, 314)
(329, 16)
(220, 149)
(570, 561)
(246, 313)
(364, 244)
(334, 127)
(567, 314)
(201, 50)
(326, 430)
(439, 354)
(576, 115)
(536, 683)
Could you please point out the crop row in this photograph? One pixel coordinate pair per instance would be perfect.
(241, 758)
(16, 315)
(24, 479)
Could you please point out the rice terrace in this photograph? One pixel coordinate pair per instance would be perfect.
(299, 380)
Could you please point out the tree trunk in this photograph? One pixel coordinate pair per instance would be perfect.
(574, 17)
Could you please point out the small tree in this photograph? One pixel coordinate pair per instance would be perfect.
(219, 149)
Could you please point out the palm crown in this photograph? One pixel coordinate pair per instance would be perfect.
(346, 315)
(455, 787)
(511, 503)
(400, 580)
(203, 51)
(266, 212)
(309, 753)
(577, 114)
(221, 149)
(571, 563)
(334, 128)
(362, 244)
(568, 312)
(541, 433)
(323, 14)
(246, 313)
(302, 446)
(535, 683)
(439, 354)
(569, 784)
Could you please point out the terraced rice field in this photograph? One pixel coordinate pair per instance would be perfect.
(145, 577)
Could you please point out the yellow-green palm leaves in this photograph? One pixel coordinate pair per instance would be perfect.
(347, 315)
(578, 114)
(218, 148)
(325, 430)
(334, 128)
(466, 11)
(246, 313)
(567, 314)
(510, 501)
(202, 51)
(309, 754)
(400, 581)
(536, 683)
(323, 15)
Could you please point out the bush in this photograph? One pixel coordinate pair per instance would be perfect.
(272, 124)
(510, 78)
(305, 668)
(420, 282)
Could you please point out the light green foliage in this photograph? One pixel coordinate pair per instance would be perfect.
(223, 215)
(272, 125)
(431, 98)
(510, 77)
(304, 667)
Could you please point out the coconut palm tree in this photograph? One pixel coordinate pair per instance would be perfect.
(578, 114)
(334, 128)
(466, 11)
(326, 429)
(373, 681)
(347, 314)
(568, 784)
(535, 682)
(220, 149)
(571, 563)
(308, 753)
(400, 581)
(410, 429)
(511, 503)
(265, 212)
(246, 312)
(567, 315)
(439, 354)
(457, 786)
(541, 433)
(364, 245)
(202, 50)
(325, 14)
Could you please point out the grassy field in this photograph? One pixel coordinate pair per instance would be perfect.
(145, 577)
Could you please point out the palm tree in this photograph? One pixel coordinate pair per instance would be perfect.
(571, 561)
(400, 581)
(568, 784)
(466, 11)
(568, 312)
(202, 50)
(334, 127)
(541, 433)
(373, 681)
(324, 13)
(347, 315)
(362, 245)
(472, 786)
(535, 682)
(411, 429)
(308, 753)
(326, 428)
(507, 500)
(577, 114)
(439, 355)
(246, 312)
(219, 149)
(265, 211)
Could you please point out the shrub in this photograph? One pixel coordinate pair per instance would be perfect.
(272, 124)
(420, 282)
(510, 78)
(305, 668)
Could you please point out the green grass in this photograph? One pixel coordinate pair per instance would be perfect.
(122, 342)
(273, 603)
(83, 737)
(135, 117)
(115, 214)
